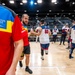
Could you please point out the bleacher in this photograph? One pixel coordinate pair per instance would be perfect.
(51, 22)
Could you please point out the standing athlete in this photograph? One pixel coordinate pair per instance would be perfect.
(25, 35)
(73, 40)
(43, 34)
(55, 32)
(10, 35)
(64, 34)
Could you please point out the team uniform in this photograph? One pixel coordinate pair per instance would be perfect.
(26, 49)
(55, 31)
(44, 39)
(73, 40)
(10, 31)
(63, 35)
(69, 39)
(37, 30)
(25, 40)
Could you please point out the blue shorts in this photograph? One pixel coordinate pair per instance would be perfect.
(44, 46)
(73, 45)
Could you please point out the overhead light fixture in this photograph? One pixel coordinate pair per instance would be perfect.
(36, 14)
(37, 10)
(39, 1)
(21, 3)
(57, 13)
(72, 15)
(31, 2)
(3, 3)
(50, 10)
(47, 13)
(25, 10)
(73, 3)
(11, 1)
(67, 0)
(35, 3)
(24, 1)
(54, 1)
(69, 13)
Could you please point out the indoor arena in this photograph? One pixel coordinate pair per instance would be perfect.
(37, 37)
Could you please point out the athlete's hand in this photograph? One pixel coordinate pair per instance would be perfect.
(10, 72)
(32, 31)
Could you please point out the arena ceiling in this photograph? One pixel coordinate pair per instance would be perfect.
(46, 8)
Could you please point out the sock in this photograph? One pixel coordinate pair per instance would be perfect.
(70, 55)
(46, 51)
(27, 67)
(20, 63)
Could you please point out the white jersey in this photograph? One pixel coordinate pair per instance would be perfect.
(66, 28)
(44, 36)
(73, 34)
(55, 31)
(37, 29)
(63, 27)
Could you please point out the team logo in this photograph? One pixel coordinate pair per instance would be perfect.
(2, 24)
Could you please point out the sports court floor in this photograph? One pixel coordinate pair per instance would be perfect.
(55, 63)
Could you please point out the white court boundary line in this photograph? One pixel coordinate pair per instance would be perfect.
(58, 71)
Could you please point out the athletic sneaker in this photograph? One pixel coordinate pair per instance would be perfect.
(42, 58)
(68, 48)
(63, 43)
(59, 44)
(70, 57)
(28, 70)
(46, 52)
(20, 63)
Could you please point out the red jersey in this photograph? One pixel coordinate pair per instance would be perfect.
(25, 35)
(10, 31)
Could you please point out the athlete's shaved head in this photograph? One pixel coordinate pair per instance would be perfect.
(25, 19)
(25, 15)
(42, 21)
